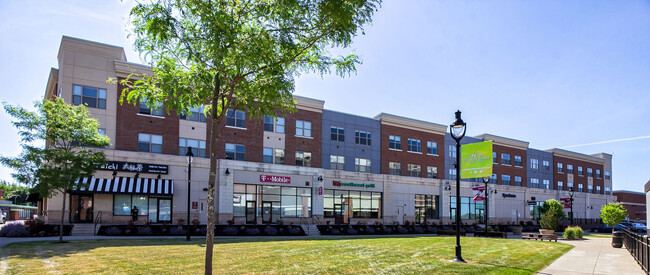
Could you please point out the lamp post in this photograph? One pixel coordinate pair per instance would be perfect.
(189, 156)
(486, 180)
(571, 203)
(457, 130)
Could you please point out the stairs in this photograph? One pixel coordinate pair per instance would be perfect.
(311, 230)
(83, 229)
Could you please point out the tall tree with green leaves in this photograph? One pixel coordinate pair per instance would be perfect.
(613, 213)
(238, 55)
(55, 167)
(14, 192)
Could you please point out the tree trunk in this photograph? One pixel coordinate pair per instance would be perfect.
(62, 217)
(214, 137)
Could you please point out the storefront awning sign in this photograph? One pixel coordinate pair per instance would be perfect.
(126, 185)
(476, 160)
(479, 193)
(275, 179)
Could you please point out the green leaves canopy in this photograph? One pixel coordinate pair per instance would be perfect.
(613, 214)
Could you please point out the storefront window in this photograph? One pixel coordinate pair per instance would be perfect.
(292, 202)
(426, 208)
(157, 209)
(469, 209)
(359, 203)
(536, 210)
(122, 205)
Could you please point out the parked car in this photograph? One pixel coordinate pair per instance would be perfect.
(623, 225)
(638, 227)
(602, 229)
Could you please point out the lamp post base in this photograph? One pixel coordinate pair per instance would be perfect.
(459, 258)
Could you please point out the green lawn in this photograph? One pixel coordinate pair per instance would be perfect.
(410, 255)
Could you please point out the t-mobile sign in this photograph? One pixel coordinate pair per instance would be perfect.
(275, 179)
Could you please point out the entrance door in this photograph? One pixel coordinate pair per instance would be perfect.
(251, 215)
(153, 210)
(267, 213)
(420, 215)
(165, 210)
(340, 213)
(400, 214)
(81, 207)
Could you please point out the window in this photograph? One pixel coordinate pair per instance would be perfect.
(195, 114)
(267, 155)
(89, 96)
(580, 188)
(580, 173)
(559, 168)
(452, 174)
(361, 204)
(426, 207)
(598, 189)
(534, 164)
(452, 151)
(337, 134)
(432, 172)
(469, 209)
(505, 179)
(518, 161)
(547, 165)
(493, 179)
(337, 162)
(432, 147)
(155, 110)
(415, 170)
(590, 188)
(560, 185)
(597, 173)
(362, 165)
(547, 184)
(414, 145)
(534, 183)
(569, 185)
(289, 202)
(517, 181)
(494, 157)
(235, 151)
(150, 143)
(122, 204)
(608, 175)
(274, 124)
(505, 159)
(395, 142)
(198, 147)
(279, 156)
(303, 128)
(362, 137)
(394, 168)
(590, 172)
(608, 191)
(303, 158)
(271, 155)
(569, 169)
(238, 119)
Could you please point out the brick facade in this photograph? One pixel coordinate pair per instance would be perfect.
(305, 144)
(577, 179)
(405, 157)
(510, 169)
(635, 203)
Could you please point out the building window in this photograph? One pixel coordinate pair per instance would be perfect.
(235, 151)
(547, 165)
(518, 161)
(303, 158)
(89, 96)
(505, 159)
(559, 168)
(580, 188)
(286, 201)
(155, 109)
(122, 205)
(414, 145)
(517, 181)
(150, 143)
(274, 124)
(494, 157)
(469, 209)
(452, 151)
(560, 185)
(359, 204)
(271, 155)
(608, 175)
(590, 172)
(534, 164)
(598, 189)
(534, 183)
(569, 169)
(198, 147)
(590, 188)
(337, 133)
(337, 162)
(505, 179)
(362, 137)
(432, 147)
(597, 173)
(195, 114)
(415, 170)
(362, 165)
(569, 185)
(432, 172)
(452, 174)
(395, 168)
(580, 173)
(426, 207)
(608, 191)
(267, 155)
(395, 142)
(303, 128)
(547, 184)
(236, 120)
(493, 179)
(279, 156)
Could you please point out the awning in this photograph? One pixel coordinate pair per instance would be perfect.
(127, 185)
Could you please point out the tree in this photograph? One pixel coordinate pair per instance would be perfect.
(552, 213)
(14, 192)
(55, 168)
(613, 214)
(238, 55)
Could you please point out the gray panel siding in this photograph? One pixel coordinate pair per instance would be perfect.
(540, 173)
(449, 161)
(348, 148)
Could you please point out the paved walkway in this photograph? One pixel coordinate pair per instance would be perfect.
(594, 256)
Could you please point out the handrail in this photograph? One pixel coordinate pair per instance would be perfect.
(98, 220)
(306, 223)
(317, 219)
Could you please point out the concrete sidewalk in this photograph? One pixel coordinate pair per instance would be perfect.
(594, 256)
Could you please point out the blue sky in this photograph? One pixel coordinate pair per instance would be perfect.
(553, 73)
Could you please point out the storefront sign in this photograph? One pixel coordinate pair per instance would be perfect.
(195, 205)
(121, 166)
(275, 179)
(320, 190)
(476, 160)
(532, 203)
(566, 202)
(479, 193)
(506, 195)
(352, 184)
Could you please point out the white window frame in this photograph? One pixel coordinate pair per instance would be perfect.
(303, 128)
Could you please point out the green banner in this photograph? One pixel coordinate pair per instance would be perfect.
(476, 160)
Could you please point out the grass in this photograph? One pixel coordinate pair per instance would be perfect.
(403, 255)
(598, 235)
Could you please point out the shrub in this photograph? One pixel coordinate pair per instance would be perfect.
(144, 231)
(252, 231)
(402, 230)
(351, 231)
(14, 229)
(573, 233)
(554, 207)
(294, 230)
(113, 231)
(271, 231)
(549, 220)
(579, 232)
(230, 231)
(177, 230)
(613, 214)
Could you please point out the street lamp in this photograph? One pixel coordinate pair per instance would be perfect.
(486, 180)
(457, 130)
(189, 156)
(571, 203)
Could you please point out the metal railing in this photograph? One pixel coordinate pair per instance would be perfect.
(304, 221)
(638, 246)
(98, 220)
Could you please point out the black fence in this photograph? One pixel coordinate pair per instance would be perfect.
(639, 247)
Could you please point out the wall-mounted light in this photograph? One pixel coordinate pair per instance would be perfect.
(205, 189)
(158, 177)
(137, 175)
(114, 174)
(320, 178)
(227, 172)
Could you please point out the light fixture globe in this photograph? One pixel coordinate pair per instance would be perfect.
(457, 128)
(571, 191)
(189, 156)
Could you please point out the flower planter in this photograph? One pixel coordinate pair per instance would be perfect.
(617, 239)
(516, 230)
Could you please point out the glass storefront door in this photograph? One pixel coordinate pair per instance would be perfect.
(153, 210)
(251, 215)
(165, 210)
(266, 212)
(81, 207)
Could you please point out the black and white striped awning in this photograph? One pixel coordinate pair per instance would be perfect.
(127, 185)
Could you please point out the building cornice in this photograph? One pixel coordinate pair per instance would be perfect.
(51, 84)
(577, 156)
(502, 141)
(409, 123)
(309, 104)
(90, 47)
(124, 69)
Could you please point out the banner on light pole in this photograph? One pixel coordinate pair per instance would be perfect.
(476, 160)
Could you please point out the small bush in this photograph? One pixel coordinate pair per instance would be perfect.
(351, 231)
(230, 231)
(14, 229)
(113, 231)
(294, 230)
(146, 231)
(177, 230)
(252, 231)
(573, 233)
(271, 231)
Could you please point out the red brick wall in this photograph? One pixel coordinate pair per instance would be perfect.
(293, 143)
(251, 137)
(404, 157)
(630, 197)
(577, 179)
(511, 170)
